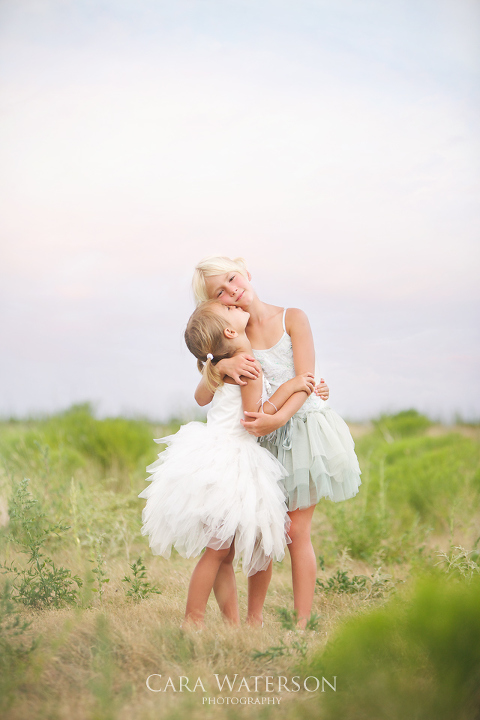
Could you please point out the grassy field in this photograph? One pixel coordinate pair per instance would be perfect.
(87, 614)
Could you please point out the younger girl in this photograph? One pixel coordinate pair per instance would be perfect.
(215, 488)
(310, 439)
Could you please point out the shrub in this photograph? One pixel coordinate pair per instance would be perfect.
(415, 657)
(404, 424)
(139, 587)
(41, 583)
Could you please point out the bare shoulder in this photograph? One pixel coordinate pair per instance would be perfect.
(296, 319)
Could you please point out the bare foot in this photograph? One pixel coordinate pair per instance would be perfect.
(302, 623)
(194, 624)
(255, 621)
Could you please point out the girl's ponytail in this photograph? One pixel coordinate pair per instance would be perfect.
(205, 337)
(211, 374)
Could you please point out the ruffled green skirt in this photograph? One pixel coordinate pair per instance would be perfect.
(318, 452)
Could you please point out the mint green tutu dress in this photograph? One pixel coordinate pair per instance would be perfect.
(315, 446)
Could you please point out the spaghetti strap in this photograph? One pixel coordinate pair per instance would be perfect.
(284, 328)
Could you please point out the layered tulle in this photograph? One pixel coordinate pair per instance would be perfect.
(315, 446)
(209, 488)
(317, 450)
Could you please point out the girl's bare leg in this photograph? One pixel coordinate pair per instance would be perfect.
(304, 563)
(225, 589)
(201, 584)
(257, 592)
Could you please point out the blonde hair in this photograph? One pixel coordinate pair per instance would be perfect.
(205, 335)
(214, 265)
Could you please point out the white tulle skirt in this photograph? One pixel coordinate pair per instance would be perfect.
(209, 489)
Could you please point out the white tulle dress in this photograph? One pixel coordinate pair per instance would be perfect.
(215, 483)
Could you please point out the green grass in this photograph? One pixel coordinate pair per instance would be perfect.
(397, 583)
(411, 487)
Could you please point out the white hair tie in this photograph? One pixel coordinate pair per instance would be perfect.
(209, 356)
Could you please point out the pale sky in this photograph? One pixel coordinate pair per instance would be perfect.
(334, 144)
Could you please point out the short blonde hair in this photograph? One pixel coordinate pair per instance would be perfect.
(214, 265)
(205, 336)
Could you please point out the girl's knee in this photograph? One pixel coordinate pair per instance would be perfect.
(299, 532)
(298, 536)
(226, 555)
(229, 557)
(300, 525)
(217, 555)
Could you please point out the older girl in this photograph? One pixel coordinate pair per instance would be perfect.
(306, 435)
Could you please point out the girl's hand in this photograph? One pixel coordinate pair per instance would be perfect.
(242, 364)
(304, 382)
(321, 390)
(259, 424)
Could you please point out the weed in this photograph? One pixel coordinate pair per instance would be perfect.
(12, 627)
(289, 620)
(341, 583)
(376, 586)
(15, 651)
(41, 583)
(379, 585)
(272, 652)
(99, 569)
(139, 588)
(298, 644)
(459, 562)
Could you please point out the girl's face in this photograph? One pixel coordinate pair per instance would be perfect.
(231, 288)
(236, 318)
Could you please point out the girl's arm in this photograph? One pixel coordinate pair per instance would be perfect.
(238, 368)
(252, 394)
(300, 383)
(263, 423)
(260, 424)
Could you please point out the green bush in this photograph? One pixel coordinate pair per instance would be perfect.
(67, 441)
(410, 487)
(404, 424)
(416, 657)
(112, 441)
(41, 583)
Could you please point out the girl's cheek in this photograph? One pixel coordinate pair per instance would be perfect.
(225, 300)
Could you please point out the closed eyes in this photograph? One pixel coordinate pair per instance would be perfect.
(221, 291)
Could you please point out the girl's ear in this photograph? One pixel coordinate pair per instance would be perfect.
(230, 333)
(249, 276)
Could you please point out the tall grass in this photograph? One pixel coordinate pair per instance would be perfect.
(413, 486)
(419, 498)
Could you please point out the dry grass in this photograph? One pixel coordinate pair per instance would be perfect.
(82, 665)
(93, 659)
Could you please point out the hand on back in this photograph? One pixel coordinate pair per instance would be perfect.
(322, 390)
(240, 368)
